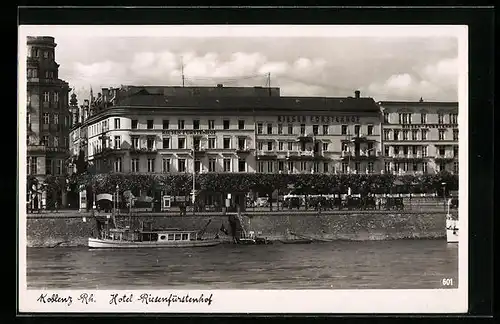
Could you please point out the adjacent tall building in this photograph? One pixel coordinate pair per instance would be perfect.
(48, 117)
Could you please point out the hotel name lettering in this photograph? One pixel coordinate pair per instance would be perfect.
(189, 132)
(318, 119)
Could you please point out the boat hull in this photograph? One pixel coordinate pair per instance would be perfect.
(94, 243)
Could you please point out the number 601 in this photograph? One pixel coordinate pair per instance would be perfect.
(447, 282)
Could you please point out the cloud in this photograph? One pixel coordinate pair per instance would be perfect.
(436, 81)
(392, 69)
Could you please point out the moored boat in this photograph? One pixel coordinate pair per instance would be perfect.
(297, 241)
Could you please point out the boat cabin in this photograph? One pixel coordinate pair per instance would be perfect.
(119, 234)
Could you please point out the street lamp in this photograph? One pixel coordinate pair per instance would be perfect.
(443, 184)
(116, 200)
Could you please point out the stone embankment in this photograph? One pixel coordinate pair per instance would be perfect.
(70, 229)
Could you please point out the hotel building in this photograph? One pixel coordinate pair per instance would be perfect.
(224, 129)
(47, 115)
(419, 137)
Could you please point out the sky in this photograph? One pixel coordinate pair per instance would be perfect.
(385, 68)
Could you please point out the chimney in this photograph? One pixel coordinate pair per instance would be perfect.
(356, 94)
(421, 99)
(220, 85)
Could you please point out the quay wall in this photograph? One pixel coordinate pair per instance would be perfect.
(70, 230)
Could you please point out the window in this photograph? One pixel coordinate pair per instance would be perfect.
(405, 118)
(134, 123)
(45, 54)
(180, 124)
(151, 165)
(387, 133)
(197, 143)
(441, 134)
(315, 130)
(270, 166)
(405, 166)
(414, 135)
(149, 124)
(280, 129)
(269, 146)
(211, 142)
(441, 167)
(455, 151)
(424, 134)
(260, 167)
(241, 124)
(166, 165)
(150, 142)
(396, 167)
(396, 135)
(211, 124)
(303, 165)
(396, 150)
(46, 118)
(242, 165)
(65, 141)
(370, 167)
(48, 166)
(370, 149)
(227, 142)
(227, 165)
(343, 130)
(455, 167)
(280, 146)
(225, 124)
(345, 147)
(269, 128)
(325, 167)
(117, 123)
(424, 167)
(36, 52)
(281, 166)
(325, 129)
(290, 129)
(357, 130)
(181, 165)
(405, 150)
(241, 143)
(302, 146)
(369, 130)
(211, 165)
(424, 151)
(345, 167)
(387, 167)
(118, 164)
(166, 124)
(290, 166)
(414, 150)
(32, 169)
(316, 167)
(455, 134)
(290, 146)
(325, 147)
(118, 142)
(260, 146)
(196, 124)
(197, 166)
(166, 143)
(386, 118)
(440, 119)
(302, 129)
(453, 118)
(181, 143)
(405, 135)
(415, 167)
(441, 150)
(259, 128)
(135, 142)
(46, 97)
(423, 118)
(386, 150)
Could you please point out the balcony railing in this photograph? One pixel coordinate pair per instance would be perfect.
(143, 149)
(45, 148)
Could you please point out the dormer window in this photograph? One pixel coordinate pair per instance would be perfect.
(45, 54)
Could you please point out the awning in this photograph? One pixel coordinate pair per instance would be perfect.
(104, 197)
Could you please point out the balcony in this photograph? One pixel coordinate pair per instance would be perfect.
(139, 150)
(305, 138)
(270, 154)
(446, 156)
(243, 150)
(45, 149)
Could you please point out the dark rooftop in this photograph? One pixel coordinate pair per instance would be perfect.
(250, 102)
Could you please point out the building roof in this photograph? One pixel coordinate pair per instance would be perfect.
(419, 103)
(203, 91)
(252, 103)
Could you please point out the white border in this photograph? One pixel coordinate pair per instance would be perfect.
(262, 301)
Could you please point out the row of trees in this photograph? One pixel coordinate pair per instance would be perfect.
(181, 184)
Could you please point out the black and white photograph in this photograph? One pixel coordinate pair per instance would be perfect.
(237, 169)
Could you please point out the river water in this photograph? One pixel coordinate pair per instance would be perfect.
(404, 264)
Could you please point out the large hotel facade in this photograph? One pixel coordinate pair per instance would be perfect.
(219, 129)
